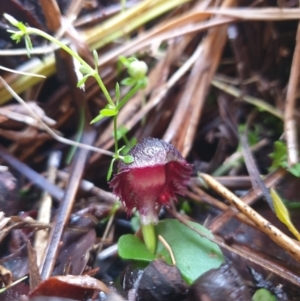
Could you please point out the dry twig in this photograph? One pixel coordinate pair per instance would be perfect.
(287, 243)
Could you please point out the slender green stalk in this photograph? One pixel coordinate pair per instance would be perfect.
(115, 134)
(93, 72)
(123, 101)
(2, 290)
(36, 31)
(104, 90)
(149, 237)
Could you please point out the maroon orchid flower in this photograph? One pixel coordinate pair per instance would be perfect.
(157, 174)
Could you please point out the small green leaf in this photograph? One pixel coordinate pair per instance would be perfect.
(130, 247)
(193, 253)
(295, 170)
(128, 81)
(117, 93)
(97, 118)
(280, 159)
(143, 82)
(133, 141)
(126, 61)
(123, 60)
(282, 213)
(279, 155)
(110, 169)
(22, 27)
(28, 45)
(82, 81)
(11, 20)
(16, 36)
(263, 295)
(109, 112)
(186, 207)
(96, 58)
(128, 159)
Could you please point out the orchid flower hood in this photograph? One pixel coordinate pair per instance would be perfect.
(157, 174)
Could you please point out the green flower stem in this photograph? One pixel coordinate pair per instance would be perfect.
(94, 73)
(119, 106)
(103, 88)
(149, 237)
(123, 101)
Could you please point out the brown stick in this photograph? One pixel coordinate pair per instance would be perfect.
(287, 243)
(248, 199)
(81, 155)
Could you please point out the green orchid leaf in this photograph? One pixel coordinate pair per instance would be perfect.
(194, 254)
(263, 295)
(131, 247)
